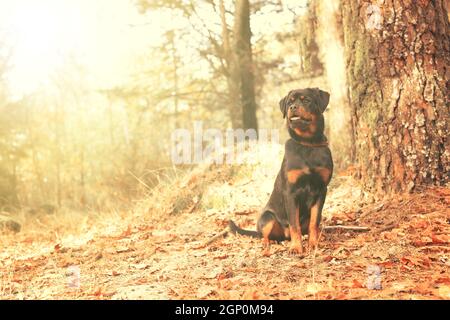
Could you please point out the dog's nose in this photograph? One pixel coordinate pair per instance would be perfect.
(293, 107)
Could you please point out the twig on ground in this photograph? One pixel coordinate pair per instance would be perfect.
(216, 237)
(389, 227)
(245, 212)
(346, 228)
(434, 248)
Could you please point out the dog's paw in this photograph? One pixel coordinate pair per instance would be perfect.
(312, 245)
(313, 241)
(266, 252)
(296, 249)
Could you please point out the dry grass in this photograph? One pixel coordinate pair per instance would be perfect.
(213, 186)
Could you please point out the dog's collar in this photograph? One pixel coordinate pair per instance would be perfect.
(312, 145)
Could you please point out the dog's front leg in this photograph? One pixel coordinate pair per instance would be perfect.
(294, 226)
(313, 229)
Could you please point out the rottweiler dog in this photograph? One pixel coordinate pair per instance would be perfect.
(295, 205)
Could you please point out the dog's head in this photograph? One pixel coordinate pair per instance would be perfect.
(304, 109)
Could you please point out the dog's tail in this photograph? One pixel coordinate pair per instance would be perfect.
(235, 229)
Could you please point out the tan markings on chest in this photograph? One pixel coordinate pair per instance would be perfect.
(324, 173)
(295, 174)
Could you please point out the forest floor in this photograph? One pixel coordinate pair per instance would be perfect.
(161, 250)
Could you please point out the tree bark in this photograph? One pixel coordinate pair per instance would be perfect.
(329, 35)
(310, 64)
(242, 35)
(397, 58)
(231, 71)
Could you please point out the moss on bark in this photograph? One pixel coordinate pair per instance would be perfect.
(397, 58)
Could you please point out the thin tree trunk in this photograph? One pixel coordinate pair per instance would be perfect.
(242, 34)
(310, 64)
(175, 76)
(397, 67)
(111, 122)
(58, 159)
(338, 116)
(34, 159)
(232, 74)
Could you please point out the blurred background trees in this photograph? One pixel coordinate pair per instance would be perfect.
(79, 142)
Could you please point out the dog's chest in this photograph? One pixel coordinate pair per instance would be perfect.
(303, 162)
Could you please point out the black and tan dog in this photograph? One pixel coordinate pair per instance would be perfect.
(295, 206)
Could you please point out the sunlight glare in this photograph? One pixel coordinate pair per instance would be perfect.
(41, 33)
(36, 29)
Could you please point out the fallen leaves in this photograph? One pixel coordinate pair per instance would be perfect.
(357, 284)
(140, 266)
(408, 245)
(440, 239)
(224, 275)
(251, 294)
(402, 286)
(341, 253)
(126, 233)
(204, 291)
(409, 262)
(444, 291)
(313, 288)
(443, 280)
(432, 239)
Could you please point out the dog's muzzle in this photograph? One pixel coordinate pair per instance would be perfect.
(298, 115)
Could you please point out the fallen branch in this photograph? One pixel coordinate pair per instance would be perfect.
(216, 237)
(244, 213)
(325, 228)
(346, 228)
(434, 248)
(389, 227)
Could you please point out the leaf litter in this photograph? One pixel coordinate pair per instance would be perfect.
(156, 254)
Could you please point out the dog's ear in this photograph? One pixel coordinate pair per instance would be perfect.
(283, 104)
(323, 98)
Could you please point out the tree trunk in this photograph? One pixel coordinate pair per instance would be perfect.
(232, 74)
(175, 91)
(242, 35)
(310, 64)
(58, 155)
(329, 34)
(34, 158)
(397, 58)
